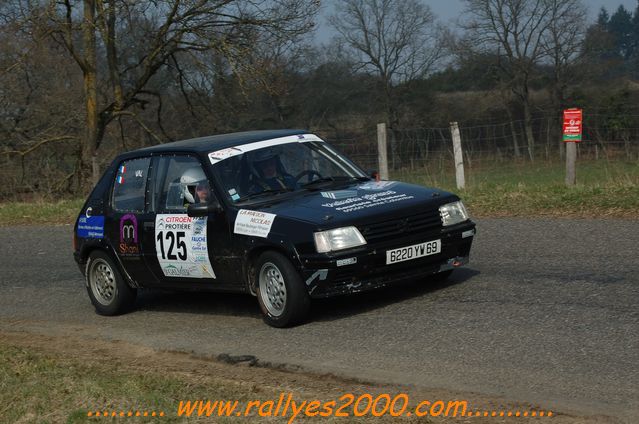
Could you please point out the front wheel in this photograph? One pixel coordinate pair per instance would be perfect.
(108, 291)
(281, 293)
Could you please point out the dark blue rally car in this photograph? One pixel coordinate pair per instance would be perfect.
(278, 214)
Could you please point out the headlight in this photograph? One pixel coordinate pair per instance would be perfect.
(338, 239)
(453, 213)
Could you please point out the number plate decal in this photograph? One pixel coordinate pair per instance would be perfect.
(181, 246)
(413, 252)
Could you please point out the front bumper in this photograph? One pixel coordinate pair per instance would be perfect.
(362, 269)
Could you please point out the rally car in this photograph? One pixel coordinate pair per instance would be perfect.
(281, 215)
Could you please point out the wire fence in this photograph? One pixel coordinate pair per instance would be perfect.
(49, 170)
(485, 146)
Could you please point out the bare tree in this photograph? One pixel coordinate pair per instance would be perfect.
(516, 30)
(563, 43)
(395, 40)
(39, 117)
(116, 76)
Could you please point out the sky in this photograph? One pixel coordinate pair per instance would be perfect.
(449, 10)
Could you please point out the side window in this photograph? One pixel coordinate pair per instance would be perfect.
(184, 183)
(130, 185)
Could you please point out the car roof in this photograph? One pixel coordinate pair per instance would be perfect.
(215, 142)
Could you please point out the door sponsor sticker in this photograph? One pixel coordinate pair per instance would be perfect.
(129, 236)
(181, 246)
(91, 226)
(253, 223)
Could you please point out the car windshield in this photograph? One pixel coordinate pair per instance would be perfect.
(275, 169)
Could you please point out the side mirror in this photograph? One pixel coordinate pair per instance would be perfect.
(374, 175)
(203, 209)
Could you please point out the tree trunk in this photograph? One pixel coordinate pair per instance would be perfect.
(513, 130)
(529, 130)
(89, 152)
(391, 120)
(559, 103)
(562, 144)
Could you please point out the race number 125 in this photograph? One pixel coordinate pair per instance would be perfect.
(175, 245)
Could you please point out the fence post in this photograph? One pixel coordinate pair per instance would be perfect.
(572, 130)
(459, 157)
(571, 159)
(382, 153)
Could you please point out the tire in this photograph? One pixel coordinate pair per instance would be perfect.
(281, 293)
(108, 291)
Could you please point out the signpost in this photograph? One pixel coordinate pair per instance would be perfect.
(572, 134)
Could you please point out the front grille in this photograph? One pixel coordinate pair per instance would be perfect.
(421, 222)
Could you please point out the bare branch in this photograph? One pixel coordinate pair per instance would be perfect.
(37, 145)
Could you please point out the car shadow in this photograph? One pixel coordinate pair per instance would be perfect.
(331, 309)
(192, 302)
(336, 308)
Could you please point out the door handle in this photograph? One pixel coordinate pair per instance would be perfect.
(149, 225)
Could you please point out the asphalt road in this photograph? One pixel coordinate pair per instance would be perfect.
(547, 312)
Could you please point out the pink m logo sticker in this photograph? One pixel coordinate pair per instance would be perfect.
(129, 228)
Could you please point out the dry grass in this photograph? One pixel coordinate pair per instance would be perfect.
(47, 379)
(604, 190)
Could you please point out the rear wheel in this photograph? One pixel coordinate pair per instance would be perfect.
(281, 293)
(108, 291)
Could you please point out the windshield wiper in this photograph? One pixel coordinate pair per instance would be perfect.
(267, 192)
(319, 181)
(330, 180)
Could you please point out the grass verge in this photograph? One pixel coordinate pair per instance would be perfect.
(47, 379)
(40, 212)
(47, 388)
(604, 190)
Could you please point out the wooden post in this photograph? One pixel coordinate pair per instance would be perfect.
(572, 130)
(571, 160)
(459, 157)
(382, 152)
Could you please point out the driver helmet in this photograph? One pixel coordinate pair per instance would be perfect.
(189, 181)
(263, 155)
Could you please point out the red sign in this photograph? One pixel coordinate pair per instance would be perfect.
(572, 124)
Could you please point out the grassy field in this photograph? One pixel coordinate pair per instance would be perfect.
(48, 388)
(604, 189)
(43, 388)
(40, 212)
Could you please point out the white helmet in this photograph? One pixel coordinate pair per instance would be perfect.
(189, 181)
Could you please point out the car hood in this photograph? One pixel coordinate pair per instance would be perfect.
(357, 203)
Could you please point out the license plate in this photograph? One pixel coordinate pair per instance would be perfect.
(413, 252)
